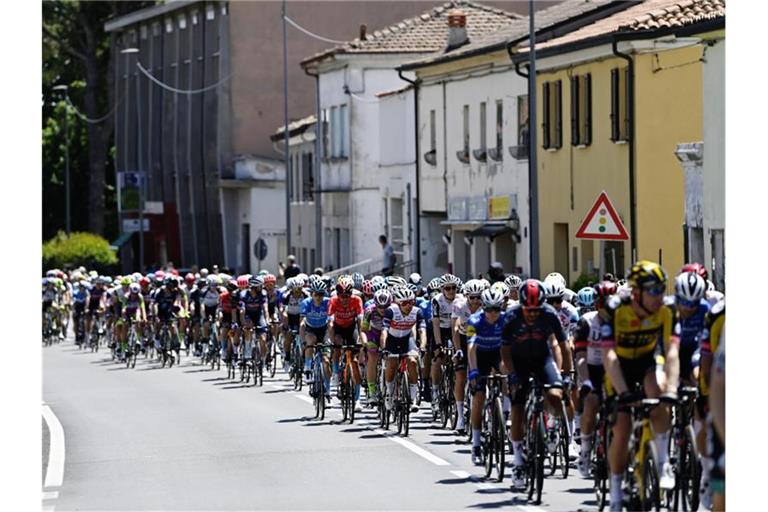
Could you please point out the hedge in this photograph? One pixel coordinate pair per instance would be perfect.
(86, 249)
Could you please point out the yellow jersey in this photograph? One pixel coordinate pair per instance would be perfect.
(633, 337)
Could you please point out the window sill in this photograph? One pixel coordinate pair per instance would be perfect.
(551, 150)
(622, 141)
(582, 146)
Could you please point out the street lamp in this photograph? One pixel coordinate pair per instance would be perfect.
(66, 156)
(128, 51)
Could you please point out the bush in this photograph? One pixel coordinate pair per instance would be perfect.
(584, 280)
(86, 249)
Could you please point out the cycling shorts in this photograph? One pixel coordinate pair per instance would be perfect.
(373, 336)
(543, 370)
(293, 322)
(461, 362)
(487, 360)
(210, 313)
(597, 376)
(686, 361)
(398, 346)
(318, 332)
(347, 335)
(256, 321)
(634, 372)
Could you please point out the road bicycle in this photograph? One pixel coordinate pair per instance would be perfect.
(317, 387)
(346, 391)
(444, 406)
(641, 477)
(600, 468)
(401, 399)
(381, 384)
(683, 454)
(494, 432)
(132, 346)
(80, 331)
(50, 329)
(559, 437)
(272, 351)
(165, 347)
(297, 361)
(535, 440)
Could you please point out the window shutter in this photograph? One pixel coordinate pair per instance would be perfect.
(587, 109)
(559, 114)
(545, 116)
(627, 121)
(614, 104)
(575, 111)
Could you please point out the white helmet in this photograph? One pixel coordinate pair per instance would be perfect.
(555, 289)
(415, 278)
(501, 287)
(492, 298)
(555, 277)
(569, 295)
(473, 287)
(513, 282)
(710, 286)
(134, 288)
(690, 286)
(485, 283)
(402, 294)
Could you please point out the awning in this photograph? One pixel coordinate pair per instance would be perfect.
(491, 230)
(122, 239)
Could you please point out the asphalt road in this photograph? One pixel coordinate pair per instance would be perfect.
(187, 438)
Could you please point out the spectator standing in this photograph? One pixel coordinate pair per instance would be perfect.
(388, 257)
(292, 270)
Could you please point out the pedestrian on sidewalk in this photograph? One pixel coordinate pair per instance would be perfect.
(388, 257)
(292, 270)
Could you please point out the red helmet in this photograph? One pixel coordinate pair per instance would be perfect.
(270, 279)
(605, 289)
(697, 268)
(532, 293)
(159, 276)
(242, 282)
(189, 278)
(174, 272)
(344, 285)
(367, 287)
(144, 282)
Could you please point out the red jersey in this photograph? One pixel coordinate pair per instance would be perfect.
(345, 315)
(225, 301)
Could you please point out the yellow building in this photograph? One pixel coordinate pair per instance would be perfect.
(586, 82)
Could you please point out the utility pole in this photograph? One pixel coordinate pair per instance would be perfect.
(533, 177)
(286, 134)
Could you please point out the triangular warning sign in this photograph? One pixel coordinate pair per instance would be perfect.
(602, 222)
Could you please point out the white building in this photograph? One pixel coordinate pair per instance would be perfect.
(353, 168)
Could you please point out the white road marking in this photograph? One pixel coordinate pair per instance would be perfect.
(460, 474)
(530, 508)
(50, 495)
(476, 480)
(54, 475)
(305, 398)
(49, 508)
(421, 452)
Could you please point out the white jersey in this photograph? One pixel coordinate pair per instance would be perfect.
(462, 312)
(210, 298)
(442, 308)
(588, 336)
(569, 317)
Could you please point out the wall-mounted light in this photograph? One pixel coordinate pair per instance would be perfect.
(468, 240)
(447, 238)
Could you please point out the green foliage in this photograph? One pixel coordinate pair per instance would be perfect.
(584, 280)
(86, 249)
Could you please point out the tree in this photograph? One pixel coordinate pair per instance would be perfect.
(86, 249)
(76, 52)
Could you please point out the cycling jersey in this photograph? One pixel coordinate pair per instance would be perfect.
(588, 336)
(314, 315)
(632, 337)
(210, 296)
(569, 317)
(373, 321)
(462, 312)
(252, 304)
(344, 315)
(425, 305)
(713, 324)
(165, 299)
(96, 293)
(484, 335)
(442, 308)
(399, 325)
(292, 303)
(132, 304)
(531, 341)
(80, 296)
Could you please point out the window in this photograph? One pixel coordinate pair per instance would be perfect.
(168, 25)
(620, 121)
(581, 110)
(335, 136)
(522, 120)
(432, 131)
(552, 123)
(466, 128)
(482, 126)
(309, 179)
(343, 132)
(210, 12)
(194, 17)
(143, 32)
(499, 126)
(156, 29)
(325, 131)
(182, 21)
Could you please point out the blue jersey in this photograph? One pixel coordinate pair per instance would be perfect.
(79, 296)
(691, 330)
(425, 305)
(253, 303)
(486, 336)
(314, 315)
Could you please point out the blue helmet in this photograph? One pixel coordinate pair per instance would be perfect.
(587, 296)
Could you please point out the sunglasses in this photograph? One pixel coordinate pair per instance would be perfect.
(687, 303)
(408, 303)
(555, 300)
(318, 295)
(474, 297)
(656, 290)
(449, 288)
(492, 309)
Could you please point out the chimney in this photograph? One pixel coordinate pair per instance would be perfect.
(363, 32)
(457, 29)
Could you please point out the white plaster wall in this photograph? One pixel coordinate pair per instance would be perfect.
(714, 140)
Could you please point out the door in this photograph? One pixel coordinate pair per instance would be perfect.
(245, 248)
(562, 250)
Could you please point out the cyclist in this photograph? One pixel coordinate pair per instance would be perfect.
(254, 314)
(134, 314)
(166, 304)
(424, 303)
(80, 297)
(442, 309)
(398, 324)
(463, 308)
(209, 299)
(484, 330)
(196, 312)
(290, 307)
(228, 307)
(635, 325)
(513, 282)
(373, 324)
(313, 329)
(273, 302)
(346, 312)
(690, 312)
(528, 348)
(586, 300)
(95, 303)
(588, 357)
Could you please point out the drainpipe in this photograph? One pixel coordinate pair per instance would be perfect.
(417, 146)
(318, 173)
(631, 106)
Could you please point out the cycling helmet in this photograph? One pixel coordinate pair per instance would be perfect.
(569, 295)
(203, 272)
(532, 293)
(414, 288)
(379, 285)
(690, 286)
(555, 289)
(486, 284)
(434, 285)
(124, 281)
(294, 284)
(135, 288)
(270, 279)
(357, 280)
(383, 298)
(189, 278)
(212, 281)
(107, 280)
(46, 281)
(159, 275)
(587, 296)
(263, 272)
(710, 286)
(604, 289)
(50, 273)
(378, 279)
(144, 282)
(501, 288)
(224, 277)
(697, 268)
(555, 277)
(403, 294)
(367, 288)
(393, 281)
(492, 298)
(344, 285)
(170, 281)
(448, 279)
(242, 282)
(474, 287)
(646, 273)
(304, 277)
(318, 286)
(328, 280)
(415, 278)
(256, 282)
(232, 284)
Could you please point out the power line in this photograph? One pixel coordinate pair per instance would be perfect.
(182, 91)
(312, 34)
(91, 120)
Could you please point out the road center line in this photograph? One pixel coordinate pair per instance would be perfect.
(54, 475)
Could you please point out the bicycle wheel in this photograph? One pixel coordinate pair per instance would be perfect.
(487, 439)
(600, 471)
(690, 473)
(467, 414)
(273, 359)
(650, 498)
(499, 435)
(563, 447)
(405, 401)
(351, 397)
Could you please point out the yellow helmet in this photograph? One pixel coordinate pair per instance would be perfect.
(644, 273)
